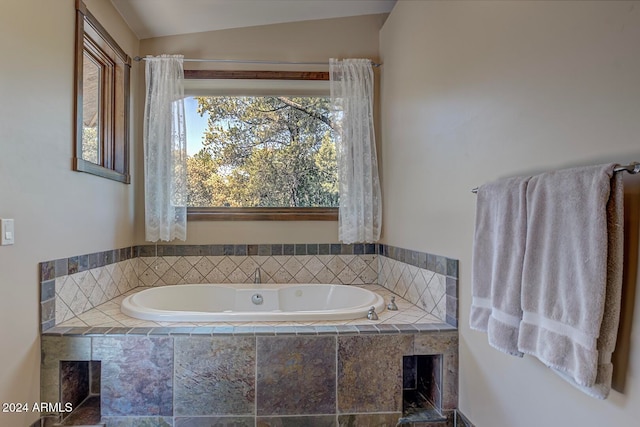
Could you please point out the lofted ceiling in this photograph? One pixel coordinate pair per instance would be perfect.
(156, 18)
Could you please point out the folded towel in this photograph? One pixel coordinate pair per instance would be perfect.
(498, 255)
(570, 273)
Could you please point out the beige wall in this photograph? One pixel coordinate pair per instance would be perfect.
(474, 91)
(58, 212)
(471, 92)
(308, 41)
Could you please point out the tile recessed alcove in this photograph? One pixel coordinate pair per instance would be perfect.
(80, 389)
(422, 389)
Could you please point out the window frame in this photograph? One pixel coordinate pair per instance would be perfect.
(268, 213)
(113, 103)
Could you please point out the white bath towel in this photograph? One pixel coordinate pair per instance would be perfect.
(572, 271)
(498, 254)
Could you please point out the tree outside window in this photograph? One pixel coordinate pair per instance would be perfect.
(264, 151)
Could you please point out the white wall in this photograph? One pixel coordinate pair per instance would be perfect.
(473, 91)
(58, 213)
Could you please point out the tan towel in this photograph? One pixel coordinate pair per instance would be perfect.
(499, 245)
(572, 271)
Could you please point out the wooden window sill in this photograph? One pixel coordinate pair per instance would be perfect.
(262, 214)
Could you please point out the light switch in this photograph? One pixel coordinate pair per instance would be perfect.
(7, 234)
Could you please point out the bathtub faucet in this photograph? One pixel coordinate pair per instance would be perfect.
(256, 277)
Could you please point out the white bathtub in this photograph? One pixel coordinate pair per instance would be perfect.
(233, 303)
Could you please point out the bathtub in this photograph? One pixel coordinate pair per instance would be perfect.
(265, 302)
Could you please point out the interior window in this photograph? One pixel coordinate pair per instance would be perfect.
(102, 101)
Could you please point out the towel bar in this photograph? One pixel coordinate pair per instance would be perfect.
(632, 168)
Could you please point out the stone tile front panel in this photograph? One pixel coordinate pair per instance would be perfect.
(296, 375)
(137, 375)
(214, 376)
(291, 379)
(366, 366)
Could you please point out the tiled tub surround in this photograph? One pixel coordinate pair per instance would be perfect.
(210, 378)
(73, 286)
(426, 280)
(338, 269)
(336, 373)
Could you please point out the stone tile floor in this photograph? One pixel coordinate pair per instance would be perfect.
(109, 315)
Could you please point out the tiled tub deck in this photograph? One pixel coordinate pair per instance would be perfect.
(108, 315)
(253, 374)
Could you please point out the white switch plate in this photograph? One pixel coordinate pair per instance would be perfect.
(7, 234)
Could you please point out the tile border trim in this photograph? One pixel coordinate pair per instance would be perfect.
(213, 331)
(66, 266)
(436, 263)
(256, 249)
(49, 270)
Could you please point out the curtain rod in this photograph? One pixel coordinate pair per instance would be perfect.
(632, 168)
(252, 61)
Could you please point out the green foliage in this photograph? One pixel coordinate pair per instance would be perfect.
(90, 144)
(264, 152)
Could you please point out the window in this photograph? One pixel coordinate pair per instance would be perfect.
(102, 101)
(260, 148)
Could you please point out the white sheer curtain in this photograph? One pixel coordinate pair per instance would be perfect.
(360, 215)
(165, 150)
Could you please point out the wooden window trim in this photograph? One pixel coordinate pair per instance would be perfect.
(114, 132)
(262, 214)
(255, 75)
(259, 214)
